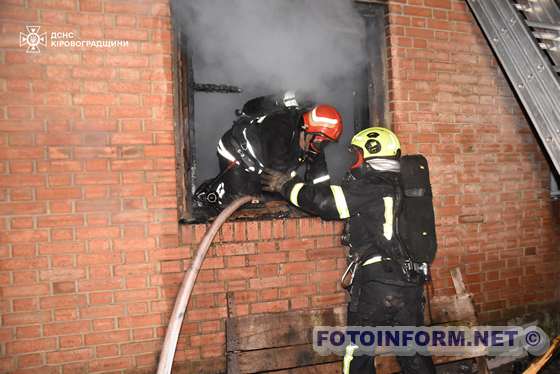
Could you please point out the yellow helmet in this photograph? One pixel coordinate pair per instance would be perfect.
(377, 142)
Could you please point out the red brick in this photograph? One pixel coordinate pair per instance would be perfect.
(270, 307)
(70, 356)
(438, 3)
(60, 220)
(35, 290)
(21, 223)
(98, 232)
(140, 321)
(206, 314)
(97, 178)
(417, 11)
(107, 337)
(18, 13)
(20, 180)
(61, 247)
(64, 274)
(237, 273)
(110, 364)
(132, 165)
(296, 244)
(64, 287)
(62, 301)
(70, 341)
(269, 258)
(110, 350)
(133, 295)
(27, 332)
(130, 111)
(329, 300)
(158, 151)
(141, 347)
(24, 263)
(25, 305)
(32, 345)
(131, 138)
(104, 324)
(96, 125)
(235, 249)
(299, 303)
(298, 267)
(30, 360)
(70, 314)
(90, 5)
(105, 73)
(17, 139)
(280, 281)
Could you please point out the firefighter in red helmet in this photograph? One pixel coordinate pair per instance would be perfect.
(281, 136)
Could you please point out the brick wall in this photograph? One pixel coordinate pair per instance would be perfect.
(451, 102)
(90, 259)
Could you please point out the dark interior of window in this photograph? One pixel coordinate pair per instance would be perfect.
(213, 80)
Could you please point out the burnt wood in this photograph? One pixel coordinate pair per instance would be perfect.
(271, 330)
(277, 341)
(329, 368)
(265, 360)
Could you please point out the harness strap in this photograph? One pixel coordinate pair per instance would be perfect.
(351, 269)
(241, 151)
(374, 260)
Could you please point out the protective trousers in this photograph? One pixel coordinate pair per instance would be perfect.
(380, 304)
(238, 182)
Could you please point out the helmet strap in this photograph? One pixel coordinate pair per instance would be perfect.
(359, 159)
(316, 147)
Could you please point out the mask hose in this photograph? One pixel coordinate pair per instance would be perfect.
(176, 320)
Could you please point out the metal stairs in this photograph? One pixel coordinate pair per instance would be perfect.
(525, 36)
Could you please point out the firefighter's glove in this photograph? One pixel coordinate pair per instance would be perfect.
(273, 180)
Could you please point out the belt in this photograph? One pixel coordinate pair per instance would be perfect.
(374, 260)
(418, 267)
(351, 269)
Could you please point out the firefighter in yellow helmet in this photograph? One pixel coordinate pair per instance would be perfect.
(384, 291)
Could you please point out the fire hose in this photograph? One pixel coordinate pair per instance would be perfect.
(176, 320)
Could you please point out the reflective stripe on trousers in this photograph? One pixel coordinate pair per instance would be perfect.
(348, 357)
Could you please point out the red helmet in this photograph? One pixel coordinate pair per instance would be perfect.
(323, 121)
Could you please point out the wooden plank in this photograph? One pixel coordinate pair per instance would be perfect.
(389, 364)
(280, 358)
(232, 362)
(458, 283)
(330, 368)
(279, 329)
(538, 364)
(230, 298)
(482, 364)
(446, 309)
(232, 366)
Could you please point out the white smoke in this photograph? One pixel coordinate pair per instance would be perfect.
(266, 47)
(273, 44)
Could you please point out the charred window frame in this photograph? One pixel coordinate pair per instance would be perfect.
(370, 107)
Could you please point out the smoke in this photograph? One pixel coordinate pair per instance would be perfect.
(273, 45)
(267, 47)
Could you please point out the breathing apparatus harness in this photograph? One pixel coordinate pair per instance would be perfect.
(413, 272)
